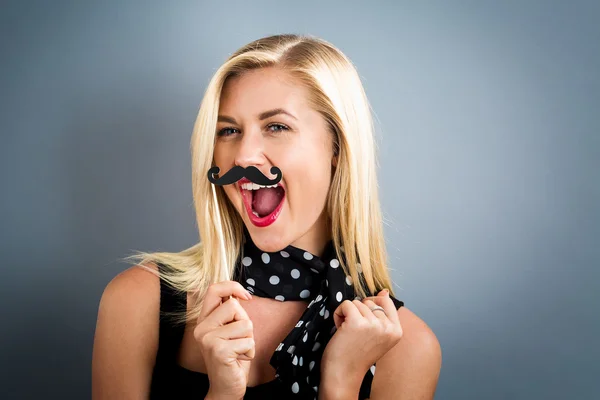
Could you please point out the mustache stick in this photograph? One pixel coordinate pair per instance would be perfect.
(220, 229)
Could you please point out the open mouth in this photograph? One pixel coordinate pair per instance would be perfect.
(263, 203)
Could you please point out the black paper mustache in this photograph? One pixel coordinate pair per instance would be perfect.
(236, 173)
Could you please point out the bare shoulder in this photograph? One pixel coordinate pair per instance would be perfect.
(141, 279)
(417, 334)
(411, 369)
(126, 337)
(134, 293)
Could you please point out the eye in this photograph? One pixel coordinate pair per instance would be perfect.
(277, 127)
(226, 131)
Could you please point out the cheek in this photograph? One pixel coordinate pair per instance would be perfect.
(230, 192)
(309, 171)
(224, 153)
(311, 185)
(218, 157)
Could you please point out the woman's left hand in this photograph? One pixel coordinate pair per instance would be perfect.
(362, 336)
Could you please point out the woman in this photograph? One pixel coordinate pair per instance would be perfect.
(288, 294)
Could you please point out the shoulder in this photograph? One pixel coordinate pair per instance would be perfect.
(411, 368)
(134, 292)
(418, 336)
(126, 337)
(139, 278)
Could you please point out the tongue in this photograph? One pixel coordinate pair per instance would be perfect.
(265, 200)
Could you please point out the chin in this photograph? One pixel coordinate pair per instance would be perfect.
(269, 239)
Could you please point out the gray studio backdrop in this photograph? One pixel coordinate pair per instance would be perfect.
(488, 119)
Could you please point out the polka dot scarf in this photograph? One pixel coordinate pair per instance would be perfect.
(295, 274)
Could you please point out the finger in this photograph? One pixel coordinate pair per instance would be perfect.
(364, 310)
(235, 330)
(378, 314)
(230, 350)
(243, 347)
(389, 307)
(346, 310)
(382, 293)
(218, 292)
(230, 310)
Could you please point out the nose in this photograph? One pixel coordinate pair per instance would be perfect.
(250, 150)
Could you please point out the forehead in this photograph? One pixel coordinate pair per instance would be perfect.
(262, 89)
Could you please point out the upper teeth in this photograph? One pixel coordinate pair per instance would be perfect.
(254, 186)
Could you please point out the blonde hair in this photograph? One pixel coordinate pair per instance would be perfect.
(353, 200)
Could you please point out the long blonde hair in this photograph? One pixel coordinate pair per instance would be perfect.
(353, 200)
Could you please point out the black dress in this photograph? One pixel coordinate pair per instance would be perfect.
(172, 381)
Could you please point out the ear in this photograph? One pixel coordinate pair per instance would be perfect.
(334, 161)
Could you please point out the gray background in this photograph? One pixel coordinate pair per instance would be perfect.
(488, 115)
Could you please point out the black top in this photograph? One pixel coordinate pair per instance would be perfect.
(172, 381)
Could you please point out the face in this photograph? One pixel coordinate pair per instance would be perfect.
(294, 138)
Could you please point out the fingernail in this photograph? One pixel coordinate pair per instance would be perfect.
(386, 292)
(248, 295)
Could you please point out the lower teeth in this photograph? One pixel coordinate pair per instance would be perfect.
(255, 213)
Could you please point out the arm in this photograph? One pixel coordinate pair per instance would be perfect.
(126, 338)
(409, 371)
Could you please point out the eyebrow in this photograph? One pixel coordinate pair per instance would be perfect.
(261, 116)
(271, 113)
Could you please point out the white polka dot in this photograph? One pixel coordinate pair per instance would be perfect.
(279, 297)
(295, 360)
(322, 311)
(319, 297)
(299, 324)
(349, 280)
(250, 281)
(307, 255)
(291, 349)
(307, 379)
(372, 369)
(311, 365)
(265, 258)
(342, 248)
(279, 347)
(295, 273)
(295, 387)
(316, 346)
(327, 282)
(315, 388)
(306, 326)
(326, 314)
(357, 298)
(274, 280)
(301, 361)
(304, 294)
(334, 263)
(317, 335)
(314, 270)
(250, 289)
(284, 254)
(310, 304)
(246, 261)
(305, 338)
(338, 296)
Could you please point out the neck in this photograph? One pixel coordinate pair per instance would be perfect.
(317, 237)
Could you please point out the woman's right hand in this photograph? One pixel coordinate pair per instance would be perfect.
(226, 338)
